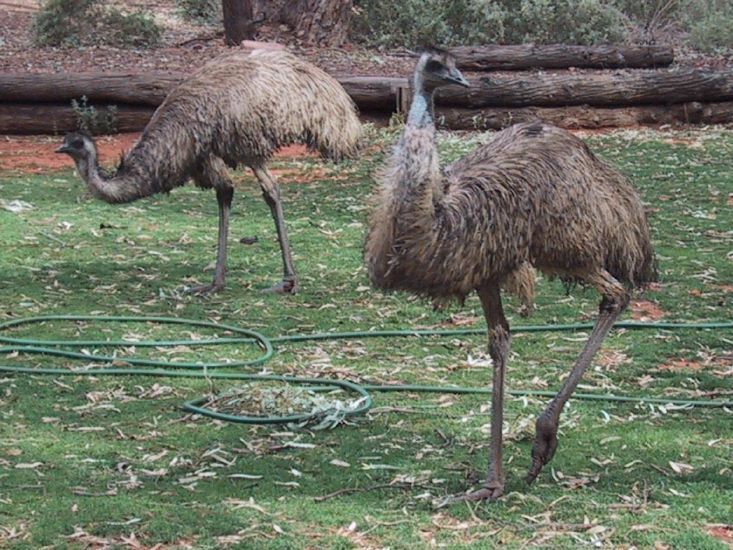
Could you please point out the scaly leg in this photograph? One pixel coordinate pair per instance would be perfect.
(213, 174)
(271, 194)
(499, 341)
(615, 300)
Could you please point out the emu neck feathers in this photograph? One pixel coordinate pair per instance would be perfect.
(113, 190)
(140, 174)
(421, 110)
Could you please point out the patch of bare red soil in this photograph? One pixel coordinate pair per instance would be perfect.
(644, 310)
(36, 154)
(715, 364)
(723, 533)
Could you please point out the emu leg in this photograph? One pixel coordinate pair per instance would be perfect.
(271, 194)
(499, 341)
(615, 299)
(213, 174)
(224, 198)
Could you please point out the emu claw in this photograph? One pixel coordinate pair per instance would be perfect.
(286, 286)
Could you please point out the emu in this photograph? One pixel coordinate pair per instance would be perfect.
(535, 195)
(238, 108)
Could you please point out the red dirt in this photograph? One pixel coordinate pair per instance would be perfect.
(714, 365)
(35, 154)
(681, 365)
(723, 533)
(644, 310)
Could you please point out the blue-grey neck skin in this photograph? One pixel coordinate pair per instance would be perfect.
(421, 110)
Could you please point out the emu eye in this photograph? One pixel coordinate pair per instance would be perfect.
(434, 66)
(77, 143)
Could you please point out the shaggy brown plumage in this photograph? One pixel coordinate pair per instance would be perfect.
(535, 195)
(237, 109)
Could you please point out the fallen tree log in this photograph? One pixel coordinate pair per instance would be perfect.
(586, 117)
(375, 93)
(597, 89)
(371, 93)
(43, 118)
(112, 88)
(560, 56)
(22, 119)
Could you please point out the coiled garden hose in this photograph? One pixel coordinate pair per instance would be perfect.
(249, 337)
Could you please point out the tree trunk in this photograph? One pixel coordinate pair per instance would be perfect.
(238, 18)
(322, 22)
(560, 56)
(583, 116)
(602, 90)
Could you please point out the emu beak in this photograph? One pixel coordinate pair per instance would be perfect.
(63, 149)
(456, 77)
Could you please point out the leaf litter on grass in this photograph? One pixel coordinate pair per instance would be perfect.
(263, 400)
(612, 482)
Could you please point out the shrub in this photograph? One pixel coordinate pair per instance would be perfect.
(712, 34)
(90, 119)
(134, 29)
(711, 26)
(566, 21)
(86, 22)
(415, 22)
(64, 22)
(200, 11)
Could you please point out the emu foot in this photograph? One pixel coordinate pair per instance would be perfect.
(288, 285)
(491, 491)
(203, 290)
(543, 449)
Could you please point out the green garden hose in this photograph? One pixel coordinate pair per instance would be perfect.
(250, 337)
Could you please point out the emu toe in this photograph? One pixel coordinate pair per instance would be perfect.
(491, 491)
(286, 286)
(212, 288)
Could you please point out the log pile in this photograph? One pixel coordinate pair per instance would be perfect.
(41, 103)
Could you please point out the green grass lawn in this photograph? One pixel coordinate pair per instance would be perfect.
(88, 461)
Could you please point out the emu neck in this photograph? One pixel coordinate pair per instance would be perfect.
(421, 110)
(125, 186)
(415, 165)
(404, 220)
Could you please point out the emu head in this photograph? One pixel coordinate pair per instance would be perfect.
(437, 68)
(79, 146)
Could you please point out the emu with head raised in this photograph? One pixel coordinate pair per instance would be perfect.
(237, 109)
(535, 195)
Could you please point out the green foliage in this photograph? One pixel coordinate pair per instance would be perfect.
(566, 21)
(134, 29)
(200, 11)
(86, 22)
(64, 22)
(415, 22)
(91, 120)
(711, 26)
(707, 23)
